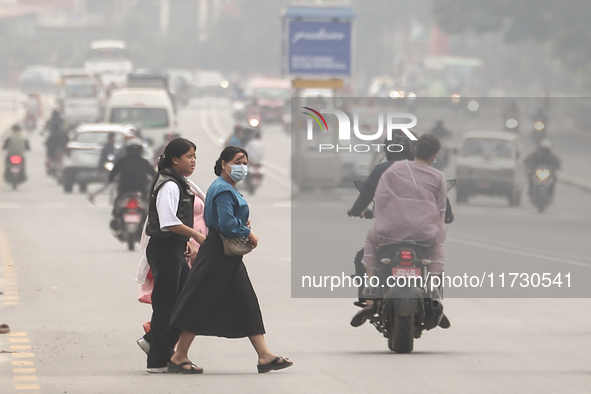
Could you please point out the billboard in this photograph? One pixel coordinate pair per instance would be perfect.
(319, 48)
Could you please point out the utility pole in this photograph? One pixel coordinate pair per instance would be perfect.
(164, 16)
(203, 19)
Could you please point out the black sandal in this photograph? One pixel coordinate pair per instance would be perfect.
(178, 368)
(274, 365)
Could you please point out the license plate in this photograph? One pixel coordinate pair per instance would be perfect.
(407, 272)
(15, 170)
(483, 185)
(132, 218)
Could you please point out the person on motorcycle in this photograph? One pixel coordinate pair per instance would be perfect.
(58, 137)
(134, 173)
(108, 149)
(409, 184)
(542, 157)
(16, 145)
(132, 132)
(439, 131)
(31, 107)
(237, 138)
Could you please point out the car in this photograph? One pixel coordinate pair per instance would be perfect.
(271, 97)
(39, 79)
(490, 163)
(81, 98)
(83, 153)
(149, 108)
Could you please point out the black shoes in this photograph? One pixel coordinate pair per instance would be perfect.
(364, 314)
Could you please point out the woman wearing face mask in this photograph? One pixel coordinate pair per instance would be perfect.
(218, 298)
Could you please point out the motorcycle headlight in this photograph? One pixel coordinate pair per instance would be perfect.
(542, 175)
(253, 122)
(539, 126)
(511, 123)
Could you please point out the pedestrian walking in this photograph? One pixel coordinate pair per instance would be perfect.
(170, 227)
(218, 298)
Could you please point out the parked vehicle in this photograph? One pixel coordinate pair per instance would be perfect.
(80, 164)
(490, 163)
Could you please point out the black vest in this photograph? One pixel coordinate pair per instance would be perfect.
(184, 211)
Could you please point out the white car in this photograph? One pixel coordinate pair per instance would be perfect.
(490, 163)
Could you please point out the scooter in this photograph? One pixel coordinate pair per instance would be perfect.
(130, 212)
(15, 171)
(409, 302)
(30, 122)
(542, 183)
(254, 177)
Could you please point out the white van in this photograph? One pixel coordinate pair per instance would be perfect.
(150, 109)
(81, 98)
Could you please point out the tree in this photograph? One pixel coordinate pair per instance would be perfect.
(562, 25)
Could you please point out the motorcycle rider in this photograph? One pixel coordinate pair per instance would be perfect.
(16, 145)
(31, 108)
(256, 152)
(134, 173)
(439, 131)
(368, 191)
(428, 196)
(58, 138)
(542, 157)
(108, 149)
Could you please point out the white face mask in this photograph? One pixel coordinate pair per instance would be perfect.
(238, 172)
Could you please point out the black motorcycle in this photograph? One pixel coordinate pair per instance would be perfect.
(542, 183)
(409, 302)
(15, 171)
(130, 212)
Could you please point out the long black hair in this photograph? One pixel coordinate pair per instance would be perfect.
(227, 155)
(175, 148)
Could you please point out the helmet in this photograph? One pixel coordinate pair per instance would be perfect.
(545, 144)
(134, 146)
(408, 147)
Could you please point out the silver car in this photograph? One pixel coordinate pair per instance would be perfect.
(83, 153)
(490, 163)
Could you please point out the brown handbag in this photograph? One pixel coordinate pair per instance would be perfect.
(236, 246)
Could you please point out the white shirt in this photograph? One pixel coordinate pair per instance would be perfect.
(167, 204)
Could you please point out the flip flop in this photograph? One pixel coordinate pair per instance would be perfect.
(4, 329)
(178, 368)
(274, 365)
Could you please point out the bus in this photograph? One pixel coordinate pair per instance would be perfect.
(109, 59)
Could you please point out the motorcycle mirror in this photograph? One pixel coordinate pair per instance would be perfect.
(359, 185)
(450, 184)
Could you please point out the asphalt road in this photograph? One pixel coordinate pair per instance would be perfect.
(70, 295)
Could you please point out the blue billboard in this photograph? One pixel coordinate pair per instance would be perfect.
(319, 48)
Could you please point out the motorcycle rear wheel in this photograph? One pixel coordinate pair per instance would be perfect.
(402, 339)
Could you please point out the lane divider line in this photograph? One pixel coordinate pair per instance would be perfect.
(21, 350)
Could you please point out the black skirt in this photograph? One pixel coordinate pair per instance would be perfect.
(218, 298)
